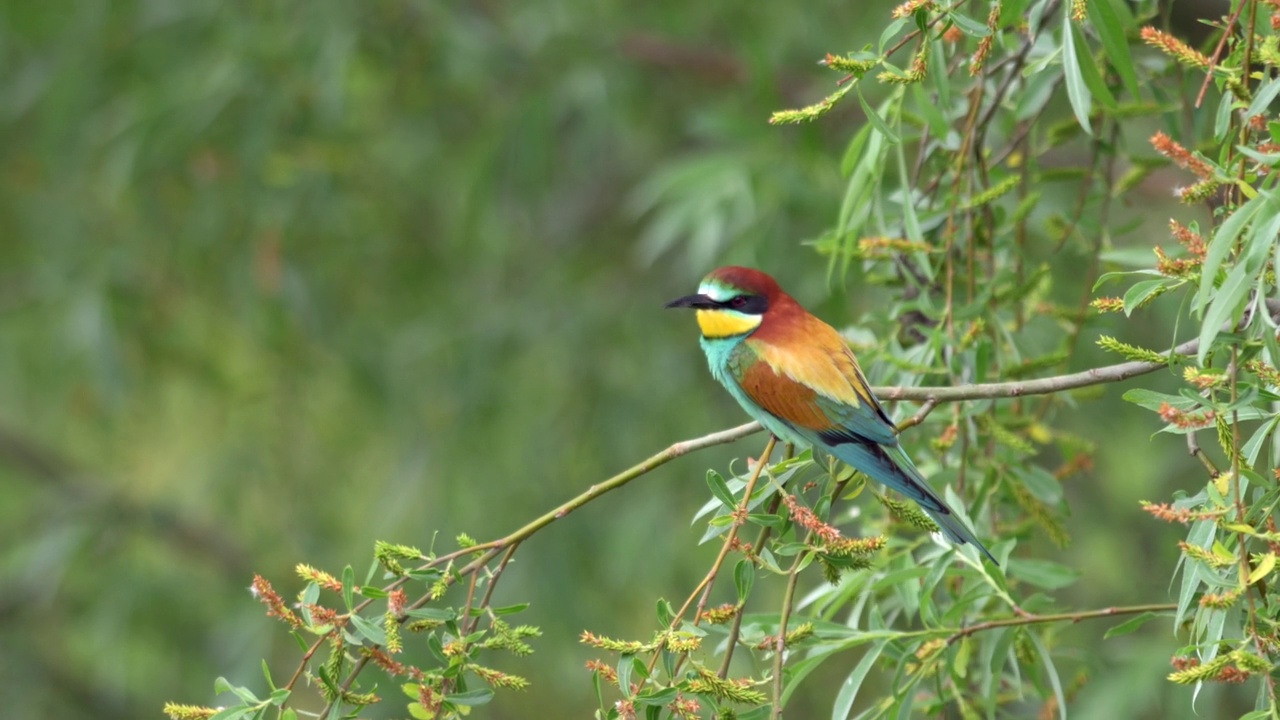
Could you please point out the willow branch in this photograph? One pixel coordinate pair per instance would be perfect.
(1059, 617)
(930, 396)
(1041, 386)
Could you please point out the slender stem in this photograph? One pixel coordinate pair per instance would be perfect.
(306, 657)
(1217, 52)
(703, 590)
(736, 627)
(493, 584)
(1058, 617)
(1195, 451)
(704, 587)
(780, 645)
(920, 415)
(732, 535)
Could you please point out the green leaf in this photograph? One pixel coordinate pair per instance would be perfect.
(222, 685)
(232, 713)
(1105, 17)
(1140, 292)
(969, 26)
(371, 631)
(429, 613)
(1220, 246)
(939, 79)
(657, 696)
(765, 519)
(800, 670)
(1262, 99)
(720, 489)
(910, 222)
(874, 117)
(348, 587)
(1201, 535)
(1052, 671)
(1152, 400)
(1254, 446)
(1077, 89)
(1089, 70)
(638, 667)
(744, 576)
(511, 609)
(623, 670)
(1228, 300)
(849, 689)
(1043, 573)
(1130, 625)
(665, 612)
(1263, 569)
(928, 107)
(1222, 118)
(891, 31)
(471, 697)
(1269, 159)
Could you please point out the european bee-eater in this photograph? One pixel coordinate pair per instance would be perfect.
(797, 376)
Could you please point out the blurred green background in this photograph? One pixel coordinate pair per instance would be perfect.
(278, 279)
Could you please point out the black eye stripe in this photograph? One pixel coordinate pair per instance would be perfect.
(747, 304)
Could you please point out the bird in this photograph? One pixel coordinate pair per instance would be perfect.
(796, 375)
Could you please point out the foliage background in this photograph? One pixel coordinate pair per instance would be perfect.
(280, 279)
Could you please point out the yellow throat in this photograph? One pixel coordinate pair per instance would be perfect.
(723, 323)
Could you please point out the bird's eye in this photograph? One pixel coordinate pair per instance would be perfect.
(738, 302)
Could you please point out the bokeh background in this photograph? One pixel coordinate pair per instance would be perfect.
(278, 279)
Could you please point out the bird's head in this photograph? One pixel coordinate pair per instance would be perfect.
(731, 301)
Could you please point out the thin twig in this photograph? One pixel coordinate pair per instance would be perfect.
(1195, 451)
(1217, 52)
(919, 417)
(736, 627)
(1074, 617)
(703, 590)
(780, 645)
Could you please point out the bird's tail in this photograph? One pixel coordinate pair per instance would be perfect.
(898, 472)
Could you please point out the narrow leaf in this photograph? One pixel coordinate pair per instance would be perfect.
(1052, 671)
(720, 489)
(1262, 101)
(1130, 625)
(1135, 296)
(849, 690)
(1089, 71)
(1228, 300)
(1107, 21)
(1077, 90)
(876, 120)
(1220, 247)
(744, 576)
(1264, 568)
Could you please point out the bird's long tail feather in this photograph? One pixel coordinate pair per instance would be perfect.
(891, 466)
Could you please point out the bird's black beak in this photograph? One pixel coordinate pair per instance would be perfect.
(693, 301)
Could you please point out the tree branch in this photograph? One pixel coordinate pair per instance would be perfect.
(930, 396)
(1059, 617)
